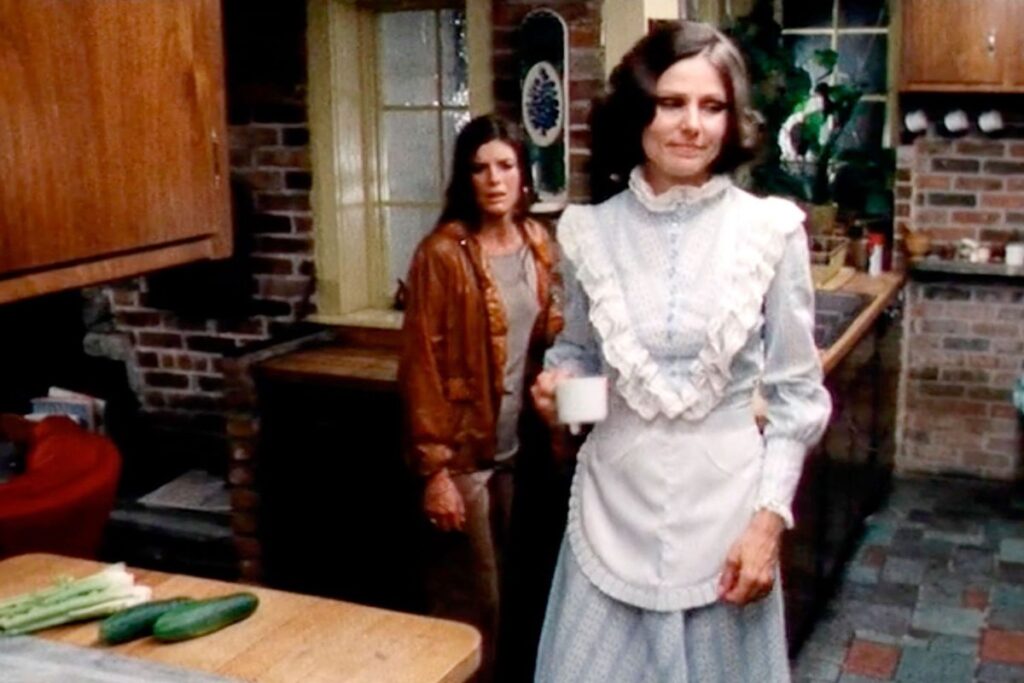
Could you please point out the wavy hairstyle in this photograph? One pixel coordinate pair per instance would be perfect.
(619, 118)
(460, 197)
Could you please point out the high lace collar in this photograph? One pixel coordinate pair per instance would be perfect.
(677, 196)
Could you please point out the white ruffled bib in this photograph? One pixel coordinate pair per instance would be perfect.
(758, 229)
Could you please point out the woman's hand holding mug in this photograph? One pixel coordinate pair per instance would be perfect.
(543, 393)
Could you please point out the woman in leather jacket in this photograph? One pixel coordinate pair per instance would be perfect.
(481, 309)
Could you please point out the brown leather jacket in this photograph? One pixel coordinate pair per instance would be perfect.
(453, 356)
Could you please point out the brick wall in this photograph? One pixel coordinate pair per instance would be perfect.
(971, 187)
(586, 71)
(176, 347)
(963, 338)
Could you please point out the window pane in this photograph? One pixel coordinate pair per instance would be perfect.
(408, 58)
(865, 128)
(806, 13)
(863, 59)
(411, 156)
(863, 13)
(803, 48)
(454, 71)
(405, 228)
(452, 122)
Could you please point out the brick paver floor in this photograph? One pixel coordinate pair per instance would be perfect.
(933, 594)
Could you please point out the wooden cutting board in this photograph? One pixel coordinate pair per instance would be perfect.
(290, 638)
(836, 282)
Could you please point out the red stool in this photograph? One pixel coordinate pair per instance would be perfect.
(62, 501)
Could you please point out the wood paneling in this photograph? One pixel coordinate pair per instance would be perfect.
(946, 42)
(962, 46)
(113, 140)
(1014, 64)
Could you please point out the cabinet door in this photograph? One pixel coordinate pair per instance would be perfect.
(113, 133)
(1015, 44)
(950, 44)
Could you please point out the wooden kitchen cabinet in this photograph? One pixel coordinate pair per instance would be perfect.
(1015, 56)
(112, 147)
(961, 46)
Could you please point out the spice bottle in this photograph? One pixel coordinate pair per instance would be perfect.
(876, 248)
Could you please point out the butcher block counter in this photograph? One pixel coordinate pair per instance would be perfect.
(883, 290)
(290, 637)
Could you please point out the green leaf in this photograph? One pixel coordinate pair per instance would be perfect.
(826, 59)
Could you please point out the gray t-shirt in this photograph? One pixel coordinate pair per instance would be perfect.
(516, 277)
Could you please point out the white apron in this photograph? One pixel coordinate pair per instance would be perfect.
(669, 481)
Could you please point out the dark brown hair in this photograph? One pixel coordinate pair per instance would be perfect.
(618, 120)
(460, 197)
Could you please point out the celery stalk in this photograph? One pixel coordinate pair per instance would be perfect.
(95, 611)
(97, 595)
(64, 588)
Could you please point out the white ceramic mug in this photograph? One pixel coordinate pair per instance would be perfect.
(581, 400)
(956, 121)
(916, 121)
(990, 121)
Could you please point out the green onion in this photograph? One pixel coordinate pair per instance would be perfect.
(98, 595)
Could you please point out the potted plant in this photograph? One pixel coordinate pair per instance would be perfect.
(803, 120)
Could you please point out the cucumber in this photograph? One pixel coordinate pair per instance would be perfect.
(204, 616)
(136, 622)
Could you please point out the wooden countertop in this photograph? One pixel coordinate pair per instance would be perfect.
(883, 288)
(290, 638)
(373, 369)
(376, 368)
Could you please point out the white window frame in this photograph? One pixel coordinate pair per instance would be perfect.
(353, 285)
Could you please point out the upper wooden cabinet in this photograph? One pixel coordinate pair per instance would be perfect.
(961, 45)
(112, 140)
(1015, 56)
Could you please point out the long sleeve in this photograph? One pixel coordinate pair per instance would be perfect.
(798, 405)
(428, 413)
(575, 349)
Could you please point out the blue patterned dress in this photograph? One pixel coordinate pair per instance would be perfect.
(690, 301)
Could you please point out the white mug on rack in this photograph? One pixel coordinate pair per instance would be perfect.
(956, 121)
(916, 121)
(581, 400)
(990, 121)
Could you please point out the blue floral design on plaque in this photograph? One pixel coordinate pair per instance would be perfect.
(542, 104)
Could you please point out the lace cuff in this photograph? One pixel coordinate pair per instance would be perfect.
(780, 475)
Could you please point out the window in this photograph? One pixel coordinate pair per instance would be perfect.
(858, 30)
(390, 84)
(424, 101)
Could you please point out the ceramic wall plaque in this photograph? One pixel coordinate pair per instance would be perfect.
(544, 87)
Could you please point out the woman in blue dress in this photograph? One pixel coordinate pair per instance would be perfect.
(691, 295)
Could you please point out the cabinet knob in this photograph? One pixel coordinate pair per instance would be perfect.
(990, 41)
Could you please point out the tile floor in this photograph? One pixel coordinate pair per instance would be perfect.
(934, 592)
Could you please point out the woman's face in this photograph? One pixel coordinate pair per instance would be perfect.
(496, 179)
(690, 122)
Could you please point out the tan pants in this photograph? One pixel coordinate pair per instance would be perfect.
(466, 572)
